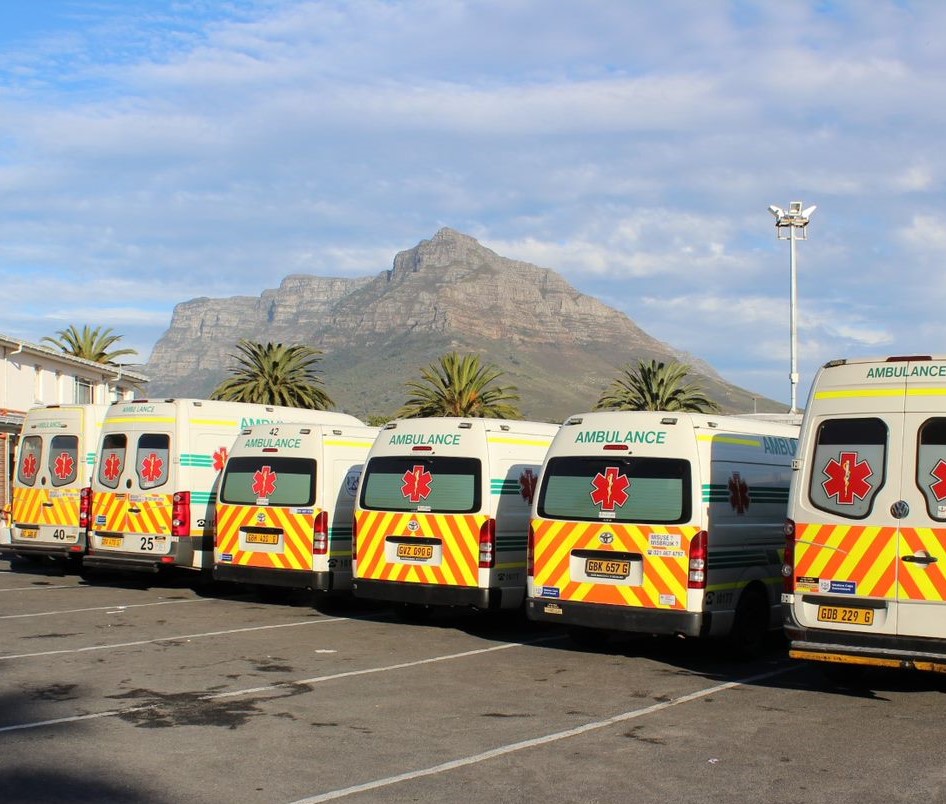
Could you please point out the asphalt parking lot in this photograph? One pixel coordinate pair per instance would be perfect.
(152, 689)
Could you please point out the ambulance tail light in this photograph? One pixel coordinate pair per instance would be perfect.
(530, 553)
(696, 577)
(181, 514)
(488, 544)
(320, 534)
(85, 508)
(788, 562)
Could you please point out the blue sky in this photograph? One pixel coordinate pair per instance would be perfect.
(152, 152)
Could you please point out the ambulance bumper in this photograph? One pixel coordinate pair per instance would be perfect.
(269, 576)
(619, 618)
(878, 650)
(429, 594)
(181, 553)
(45, 549)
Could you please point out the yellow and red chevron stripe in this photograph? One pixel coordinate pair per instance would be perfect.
(296, 553)
(664, 575)
(870, 556)
(45, 507)
(459, 535)
(124, 515)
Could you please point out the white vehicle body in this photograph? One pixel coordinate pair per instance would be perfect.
(865, 569)
(285, 505)
(158, 469)
(51, 485)
(662, 523)
(443, 511)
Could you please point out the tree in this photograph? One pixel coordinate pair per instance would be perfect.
(89, 344)
(273, 374)
(655, 386)
(458, 385)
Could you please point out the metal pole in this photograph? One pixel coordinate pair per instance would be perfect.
(793, 376)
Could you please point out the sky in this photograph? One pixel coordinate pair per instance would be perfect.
(156, 151)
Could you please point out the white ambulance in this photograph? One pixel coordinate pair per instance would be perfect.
(865, 566)
(662, 523)
(156, 478)
(285, 505)
(443, 512)
(51, 486)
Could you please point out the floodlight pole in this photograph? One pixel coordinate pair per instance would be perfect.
(793, 226)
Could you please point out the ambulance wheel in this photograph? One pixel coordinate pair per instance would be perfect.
(750, 626)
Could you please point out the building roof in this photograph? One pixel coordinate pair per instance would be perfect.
(118, 370)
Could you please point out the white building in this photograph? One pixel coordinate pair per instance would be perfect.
(32, 375)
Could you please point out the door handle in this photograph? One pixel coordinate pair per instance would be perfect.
(137, 510)
(921, 558)
(47, 505)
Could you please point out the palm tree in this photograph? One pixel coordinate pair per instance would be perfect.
(655, 386)
(89, 344)
(458, 385)
(275, 375)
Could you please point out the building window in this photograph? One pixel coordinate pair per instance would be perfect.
(83, 392)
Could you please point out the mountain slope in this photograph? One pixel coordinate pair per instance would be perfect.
(559, 347)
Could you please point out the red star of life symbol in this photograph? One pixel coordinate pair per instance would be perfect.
(939, 474)
(610, 489)
(416, 484)
(29, 465)
(151, 468)
(847, 478)
(64, 465)
(738, 493)
(220, 458)
(527, 482)
(264, 482)
(112, 467)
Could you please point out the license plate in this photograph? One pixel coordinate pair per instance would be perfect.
(29, 533)
(112, 541)
(262, 538)
(604, 568)
(415, 552)
(845, 615)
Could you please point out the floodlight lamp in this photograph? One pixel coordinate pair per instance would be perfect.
(794, 208)
(776, 211)
(806, 213)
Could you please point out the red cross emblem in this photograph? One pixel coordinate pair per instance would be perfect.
(64, 465)
(527, 482)
(112, 467)
(220, 458)
(29, 465)
(610, 489)
(738, 493)
(264, 482)
(416, 484)
(151, 468)
(847, 478)
(939, 474)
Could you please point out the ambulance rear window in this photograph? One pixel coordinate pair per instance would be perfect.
(112, 459)
(64, 460)
(31, 451)
(442, 485)
(593, 488)
(151, 461)
(931, 466)
(270, 480)
(848, 466)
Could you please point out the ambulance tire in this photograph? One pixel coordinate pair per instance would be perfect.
(750, 627)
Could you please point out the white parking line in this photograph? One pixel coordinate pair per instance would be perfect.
(537, 741)
(170, 639)
(39, 587)
(285, 685)
(106, 608)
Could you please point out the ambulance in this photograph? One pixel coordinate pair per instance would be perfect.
(51, 484)
(662, 523)
(158, 468)
(443, 512)
(865, 558)
(286, 502)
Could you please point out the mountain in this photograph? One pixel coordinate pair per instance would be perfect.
(559, 347)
